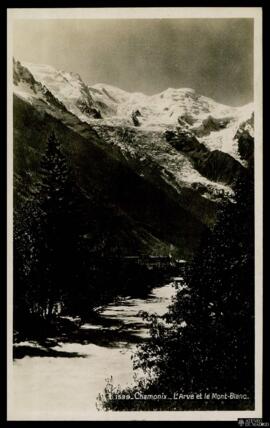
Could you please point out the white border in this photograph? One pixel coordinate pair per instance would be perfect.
(147, 13)
(136, 13)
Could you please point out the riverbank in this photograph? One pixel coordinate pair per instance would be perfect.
(115, 279)
(62, 378)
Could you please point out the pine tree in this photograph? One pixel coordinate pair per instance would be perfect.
(50, 254)
(218, 309)
(64, 253)
(212, 345)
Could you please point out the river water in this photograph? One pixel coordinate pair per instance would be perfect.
(64, 383)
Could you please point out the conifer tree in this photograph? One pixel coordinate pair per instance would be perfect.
(63, 254)
(50, 257)
(54, 201)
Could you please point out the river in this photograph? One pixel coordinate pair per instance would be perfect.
(64, 383)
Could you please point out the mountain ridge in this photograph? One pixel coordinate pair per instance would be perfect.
(131, 131)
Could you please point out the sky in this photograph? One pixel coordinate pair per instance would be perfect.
(212, 56)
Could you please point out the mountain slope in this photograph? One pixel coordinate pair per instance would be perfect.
(116, 142)
(148, 218)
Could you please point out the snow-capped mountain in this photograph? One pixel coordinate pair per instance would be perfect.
(68, 88)
(178, 142)
(213, 123)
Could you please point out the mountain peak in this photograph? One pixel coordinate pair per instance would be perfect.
(213, 123)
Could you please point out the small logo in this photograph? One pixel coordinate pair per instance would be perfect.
(253, 422)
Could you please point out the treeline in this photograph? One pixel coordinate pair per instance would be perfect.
(67, 258)
(205, 343)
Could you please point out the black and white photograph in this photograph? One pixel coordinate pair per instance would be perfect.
(134, 214)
